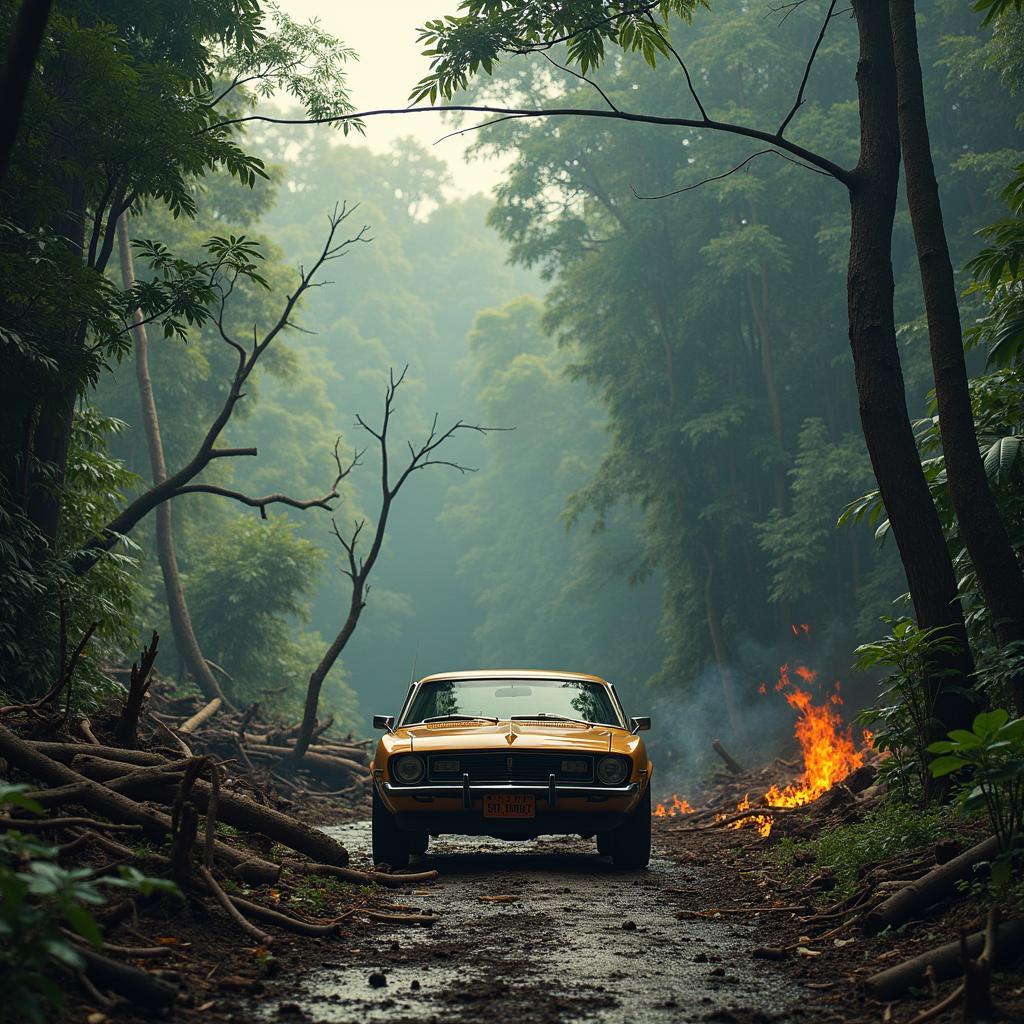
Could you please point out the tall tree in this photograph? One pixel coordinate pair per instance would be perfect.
(981, 526)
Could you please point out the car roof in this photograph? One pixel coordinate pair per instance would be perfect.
(514, 673)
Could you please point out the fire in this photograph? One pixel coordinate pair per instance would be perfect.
(827, 746)
(678, 806)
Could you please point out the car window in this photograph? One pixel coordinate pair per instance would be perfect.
(508, 698)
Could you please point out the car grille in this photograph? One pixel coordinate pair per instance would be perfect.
(504, 766)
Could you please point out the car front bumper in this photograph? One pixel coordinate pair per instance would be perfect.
(562, 808)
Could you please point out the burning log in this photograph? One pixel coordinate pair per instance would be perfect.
(730, 761)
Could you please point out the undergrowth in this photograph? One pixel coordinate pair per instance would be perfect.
(884, 832)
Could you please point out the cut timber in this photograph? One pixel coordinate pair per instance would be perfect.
(99, 798)
(201, 716)
(930, 888)
(730, 762)
(232, 809)
(945, 961)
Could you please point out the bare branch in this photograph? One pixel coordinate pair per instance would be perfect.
(582, 77)
(732, 170)
(798, 103)
(829, 167)
(181, 482)
(681, 63)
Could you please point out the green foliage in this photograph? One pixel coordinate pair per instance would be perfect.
(989, 758)
(886, 830)
(246, 596)
(903, 721)
(39, 897)
(462, 45)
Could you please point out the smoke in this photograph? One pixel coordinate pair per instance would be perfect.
(690, 715)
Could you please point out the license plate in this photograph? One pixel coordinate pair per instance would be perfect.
(509, 805)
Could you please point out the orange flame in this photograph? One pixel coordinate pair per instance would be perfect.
(827, 745)
(678, 806)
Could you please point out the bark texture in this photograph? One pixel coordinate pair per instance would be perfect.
(981, 526)
(879, 376)
(181, 622)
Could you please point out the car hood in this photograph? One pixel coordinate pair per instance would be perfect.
(442, 736)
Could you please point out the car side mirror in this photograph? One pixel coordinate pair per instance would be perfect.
(386, 722)
(641, 724)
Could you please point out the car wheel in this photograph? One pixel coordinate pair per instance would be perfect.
(418, 841)
(630, 844)
(390, 845)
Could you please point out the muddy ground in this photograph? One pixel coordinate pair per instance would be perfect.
(543, 931)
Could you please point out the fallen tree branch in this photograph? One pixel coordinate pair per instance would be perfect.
(40, 824)
(391, 881)
(944, 961)
(930, 888)
(231, 910)
(201, 716)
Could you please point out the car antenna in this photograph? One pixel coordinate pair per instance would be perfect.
(412, 671)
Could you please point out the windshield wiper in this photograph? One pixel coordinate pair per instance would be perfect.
(462, 718)
(544, 714)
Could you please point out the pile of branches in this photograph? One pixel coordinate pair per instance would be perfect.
(168, 783)
(890, 895)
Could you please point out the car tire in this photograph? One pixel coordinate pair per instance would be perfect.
(418, 842)
(629, 845)
(390, 845)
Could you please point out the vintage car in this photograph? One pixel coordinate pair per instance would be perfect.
(514, 755)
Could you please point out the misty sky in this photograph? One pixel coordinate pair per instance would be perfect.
(384, 36)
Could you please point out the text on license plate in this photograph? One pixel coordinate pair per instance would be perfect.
(509, 805)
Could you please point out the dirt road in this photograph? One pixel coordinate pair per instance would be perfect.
(578, 941)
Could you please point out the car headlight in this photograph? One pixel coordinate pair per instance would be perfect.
(407, 768)
(612, 771)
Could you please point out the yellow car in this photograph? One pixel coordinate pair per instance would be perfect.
(512, 754)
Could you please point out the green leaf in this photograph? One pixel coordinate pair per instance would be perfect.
(82, 922)
(942, 766)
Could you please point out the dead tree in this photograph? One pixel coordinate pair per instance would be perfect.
(183, 480)
(126, 730)
(360, 567)
(185, 639)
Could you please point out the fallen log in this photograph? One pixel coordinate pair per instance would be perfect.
(324, 763)
(64, 752)
(928, 889)
(41, 824)
(201, 716)
(390, 881)
(97, 797)
(351, 753)
(140, 987)
(293, 924)
(730, 761)
(232, 809)
(945, 961)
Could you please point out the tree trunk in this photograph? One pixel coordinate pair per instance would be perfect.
(319, 674)
(981, 526)
(879, 377)
(22, 50)
(181, 621)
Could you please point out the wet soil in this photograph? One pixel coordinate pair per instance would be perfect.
(538, 932)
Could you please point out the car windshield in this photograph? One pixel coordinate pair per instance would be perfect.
(504, 699)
